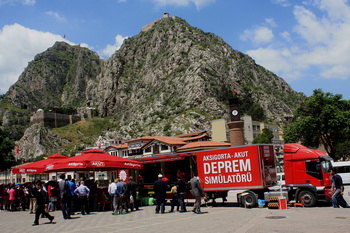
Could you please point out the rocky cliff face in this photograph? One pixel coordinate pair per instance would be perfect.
(57, 77)
(38, 140)
(170, 79)
(176, 74)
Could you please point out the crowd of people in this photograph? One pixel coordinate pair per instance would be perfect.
(123, 196)
(178, 191)
(14, 197)
(41, 198)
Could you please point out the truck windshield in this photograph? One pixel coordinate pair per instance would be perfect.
(326, 165)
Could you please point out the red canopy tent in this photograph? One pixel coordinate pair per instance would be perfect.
(38, 167)
(93, 160)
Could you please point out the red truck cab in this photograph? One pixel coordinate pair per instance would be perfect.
(307, 173)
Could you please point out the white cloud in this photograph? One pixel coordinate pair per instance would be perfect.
(28, 2)
(56, 15)
(258, 35)
(24, 2)
(271, 22)
(110, 49)
(318, 42)
(197, 3)
(18, 46)
(283, 3)
(286, 36)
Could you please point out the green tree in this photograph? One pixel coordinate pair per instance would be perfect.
(265, 137)
(6, 151)
(324, 119)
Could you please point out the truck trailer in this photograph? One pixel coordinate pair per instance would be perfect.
(252, 170)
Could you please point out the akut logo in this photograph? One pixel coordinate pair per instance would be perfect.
(50, 166)
(98, 163)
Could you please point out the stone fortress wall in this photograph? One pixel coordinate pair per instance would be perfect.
(56, 120)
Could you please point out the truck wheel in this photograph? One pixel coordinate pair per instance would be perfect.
(307, 198)
(249, 200)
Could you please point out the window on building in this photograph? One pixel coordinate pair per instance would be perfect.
(256, 127)
(164, 147)
(148, 150)
(113, 153)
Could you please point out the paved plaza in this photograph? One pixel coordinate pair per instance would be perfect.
(225, 218)
(217, 219)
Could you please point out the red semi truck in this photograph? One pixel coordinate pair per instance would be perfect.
(251, 169)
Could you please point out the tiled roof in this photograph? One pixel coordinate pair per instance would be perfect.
(202, 144)
(191, 134)
(195, 138)
(141, 139)
(174, 141)
(120, 146)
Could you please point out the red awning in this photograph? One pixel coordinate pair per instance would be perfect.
(92, 160)
(38, 167)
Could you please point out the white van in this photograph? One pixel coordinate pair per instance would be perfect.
(343, 169)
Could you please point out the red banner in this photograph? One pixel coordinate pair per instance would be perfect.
(231, 168)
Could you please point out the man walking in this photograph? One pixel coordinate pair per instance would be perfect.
(160, 188)
(42, 199)
(338, 189)
(197, 192)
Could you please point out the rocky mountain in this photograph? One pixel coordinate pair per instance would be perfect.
(169, 79)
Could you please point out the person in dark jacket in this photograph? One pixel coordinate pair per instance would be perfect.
(181, 192)
(42, 199)
(160, 188)
(32, 199)
(131, 191)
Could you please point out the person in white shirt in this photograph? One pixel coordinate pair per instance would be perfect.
(111, 191)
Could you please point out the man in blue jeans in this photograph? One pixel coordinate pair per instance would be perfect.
(338, 189)
(66, 196)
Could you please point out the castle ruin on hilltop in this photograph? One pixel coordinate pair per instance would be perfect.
(56, 120)
(150, 25)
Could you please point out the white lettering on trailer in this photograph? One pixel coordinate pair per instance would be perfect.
(241, 165)
(241, 154)
(217, 157)
(224, 179)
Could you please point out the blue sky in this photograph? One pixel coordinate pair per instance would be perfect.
(306, 42)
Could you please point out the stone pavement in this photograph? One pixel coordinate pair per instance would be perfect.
(217, 219)
(227, 218)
